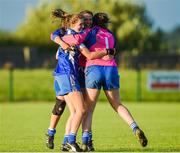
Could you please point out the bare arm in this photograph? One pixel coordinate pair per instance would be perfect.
(68, 40)
(75, 39)
(92, 55)
(59, 41)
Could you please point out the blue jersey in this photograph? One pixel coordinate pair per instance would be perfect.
(67, 61)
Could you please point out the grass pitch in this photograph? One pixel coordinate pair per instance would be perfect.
(23, 127)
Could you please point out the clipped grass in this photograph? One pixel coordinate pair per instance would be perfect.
(23, 126)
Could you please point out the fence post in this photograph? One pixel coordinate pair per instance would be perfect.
(11, 80)
(138, 83)
(27, 56)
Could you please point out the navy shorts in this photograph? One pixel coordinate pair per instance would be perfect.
(102, 76)
(64, 84)
(81, 76)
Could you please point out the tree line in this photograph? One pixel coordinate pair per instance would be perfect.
(131, 25)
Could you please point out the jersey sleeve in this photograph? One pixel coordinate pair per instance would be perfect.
(75, 39)
(57, 33)
(113, 38)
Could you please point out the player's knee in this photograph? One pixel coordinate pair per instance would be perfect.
(115, 104)
(59, 107)
(72, 112)
(81, 112)
(71, 115)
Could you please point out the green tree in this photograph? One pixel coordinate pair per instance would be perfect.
(173, 40)
(156, 42)
(38, 25)
(129, 22)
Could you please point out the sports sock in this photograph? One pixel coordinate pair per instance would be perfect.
(90, 136)
(72, 138)
(65, 139)
(51, 132)
(85, 137)
(134, 126)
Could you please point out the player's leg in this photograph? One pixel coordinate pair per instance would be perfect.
(123, 112)
(111, 89)
(57, 111)
(76, 99)
(113, 98)
(64, 146)
(68, 86)
(86, 132)
(91, 97)
(93, 81)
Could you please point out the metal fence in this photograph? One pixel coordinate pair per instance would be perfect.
(37, 57)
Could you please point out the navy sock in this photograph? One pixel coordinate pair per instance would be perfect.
(72, 138)
(90, 136)
(85, 137)
(134, 126)
(65, 139)
(51, 132)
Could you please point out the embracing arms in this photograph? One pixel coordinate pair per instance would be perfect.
(76, 39)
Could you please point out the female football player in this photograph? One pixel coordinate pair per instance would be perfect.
(66, 78)
(103, 72)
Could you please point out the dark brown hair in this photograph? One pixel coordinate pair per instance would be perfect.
(100, 19)
(64, 16)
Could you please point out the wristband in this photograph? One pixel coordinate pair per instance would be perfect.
(110, 51)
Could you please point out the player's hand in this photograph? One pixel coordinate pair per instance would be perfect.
(71, 48)
(110, 54)
(65, 46)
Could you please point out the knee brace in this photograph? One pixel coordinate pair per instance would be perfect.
(59, 107)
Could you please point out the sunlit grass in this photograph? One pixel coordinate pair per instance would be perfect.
(23, 127)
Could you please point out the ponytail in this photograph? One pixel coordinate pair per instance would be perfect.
(58, 13)
(63, 16)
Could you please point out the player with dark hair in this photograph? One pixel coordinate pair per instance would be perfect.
(103, 72)
(107, 77)
(66, 80)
